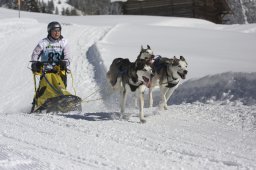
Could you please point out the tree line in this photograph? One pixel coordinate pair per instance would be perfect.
(96, 7)
(86, 7)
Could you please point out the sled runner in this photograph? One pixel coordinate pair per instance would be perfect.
(51, 94)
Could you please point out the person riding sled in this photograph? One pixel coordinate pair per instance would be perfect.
(53, 49)
(50, 60)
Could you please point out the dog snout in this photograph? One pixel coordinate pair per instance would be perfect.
(185, 72)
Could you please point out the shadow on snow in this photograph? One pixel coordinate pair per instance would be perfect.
(98, 116)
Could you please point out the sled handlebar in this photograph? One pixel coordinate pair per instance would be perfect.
(48, 66)
(50, 62)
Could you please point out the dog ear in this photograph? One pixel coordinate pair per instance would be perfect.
(148, 47)
(182, 58)
(141, 47)
(175, 61)
(171, 61)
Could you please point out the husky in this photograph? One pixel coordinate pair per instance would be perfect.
(168, 72)
(127, 76)
(146, 54)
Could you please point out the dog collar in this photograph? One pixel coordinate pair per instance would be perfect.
(171, 83)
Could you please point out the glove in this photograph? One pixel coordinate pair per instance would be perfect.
(36, 66)
(63, 65)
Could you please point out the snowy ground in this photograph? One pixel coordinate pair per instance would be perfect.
(188, 136)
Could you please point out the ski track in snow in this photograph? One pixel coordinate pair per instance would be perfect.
(85, 143)
(197, 136)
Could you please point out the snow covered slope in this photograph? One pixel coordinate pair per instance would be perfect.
(225, 88)
(187, 136)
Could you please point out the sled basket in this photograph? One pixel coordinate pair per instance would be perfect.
(64, 104)
(52, 95)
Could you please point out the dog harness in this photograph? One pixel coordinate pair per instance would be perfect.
(158, 66)
(173, 82)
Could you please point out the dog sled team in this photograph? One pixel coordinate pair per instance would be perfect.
(50, 61)
(147, 71)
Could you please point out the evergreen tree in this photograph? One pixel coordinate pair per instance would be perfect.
(63, 11)
(92, 7)
(32, 5)
(73, 12)
(28, 5)
(56, 11)
(67, 11)
(43, 7)
(50, 6)
(8, 3)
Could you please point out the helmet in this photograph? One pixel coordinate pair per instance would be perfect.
(53, 25)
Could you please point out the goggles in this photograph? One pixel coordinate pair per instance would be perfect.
(56, 30)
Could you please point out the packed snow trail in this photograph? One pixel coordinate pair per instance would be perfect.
(183, 138)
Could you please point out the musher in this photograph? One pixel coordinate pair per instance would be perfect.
(53, 49)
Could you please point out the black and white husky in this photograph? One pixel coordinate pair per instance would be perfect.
(127, 76)
(146, 54)
(167, 75)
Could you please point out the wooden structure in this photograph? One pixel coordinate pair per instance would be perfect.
(212, 10)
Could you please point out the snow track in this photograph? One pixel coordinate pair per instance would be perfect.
(85, 143)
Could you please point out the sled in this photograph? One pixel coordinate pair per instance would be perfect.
(51, 94)
(64, 104)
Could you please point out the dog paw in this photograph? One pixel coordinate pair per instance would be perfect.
(156, 112)
(161, 108)
(125, 117)
(165, 108)
(143, 121)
